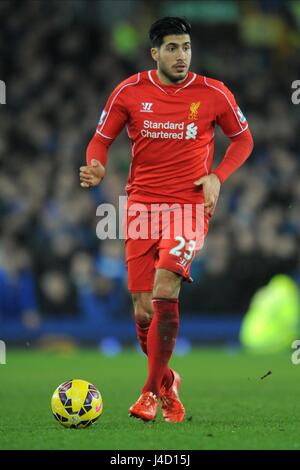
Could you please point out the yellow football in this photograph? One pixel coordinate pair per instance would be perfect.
(76, 404)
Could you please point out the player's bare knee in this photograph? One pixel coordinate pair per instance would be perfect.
(167, 285)
(167, 289)
(163, 291)
(143, 310)
(142, 318)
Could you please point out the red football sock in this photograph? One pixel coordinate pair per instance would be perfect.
(161, 341)
(142, 333)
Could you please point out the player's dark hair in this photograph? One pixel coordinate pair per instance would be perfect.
(166, 26)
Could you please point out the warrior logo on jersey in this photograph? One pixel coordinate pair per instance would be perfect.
(194, 109)
(146, 108)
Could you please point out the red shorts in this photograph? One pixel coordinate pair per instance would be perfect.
(168, 239)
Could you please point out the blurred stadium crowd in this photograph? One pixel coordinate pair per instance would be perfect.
(60, 60)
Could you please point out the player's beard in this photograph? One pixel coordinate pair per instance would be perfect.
(173, 78)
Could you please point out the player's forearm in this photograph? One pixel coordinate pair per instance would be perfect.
(237, 153)
(97, 149)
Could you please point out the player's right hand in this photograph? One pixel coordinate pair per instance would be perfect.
(91, 175)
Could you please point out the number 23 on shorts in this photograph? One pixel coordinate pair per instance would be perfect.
(183, 249)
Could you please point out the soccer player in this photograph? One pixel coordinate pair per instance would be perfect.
(170, 114)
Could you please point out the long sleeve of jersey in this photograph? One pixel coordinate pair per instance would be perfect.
(112, 120)
(235, 126)
(97, 149)
(237, 153)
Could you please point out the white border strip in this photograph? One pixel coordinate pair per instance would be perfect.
(237, 133)
(103, 135)
(205, 163)
(187, 84)
(151, 79)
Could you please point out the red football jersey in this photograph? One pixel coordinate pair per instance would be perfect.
(171, 128)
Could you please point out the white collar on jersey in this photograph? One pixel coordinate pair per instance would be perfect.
(181, 88)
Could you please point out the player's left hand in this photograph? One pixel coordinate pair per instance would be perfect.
(211, 189)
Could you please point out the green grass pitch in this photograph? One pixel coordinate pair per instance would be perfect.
(228, 405)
